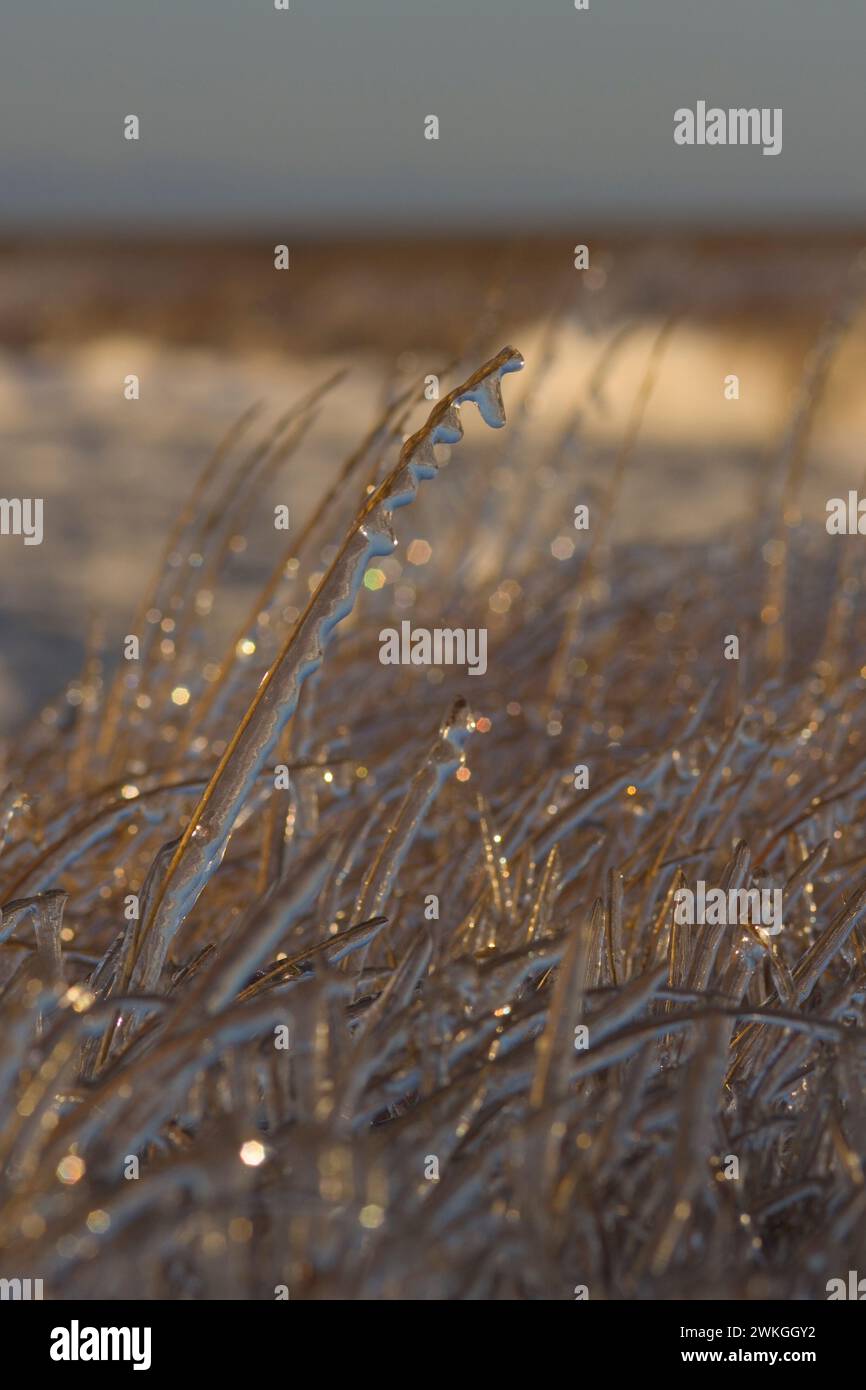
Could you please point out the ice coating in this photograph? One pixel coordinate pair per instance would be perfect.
(204, 843)
(46, 911)
(444, 758)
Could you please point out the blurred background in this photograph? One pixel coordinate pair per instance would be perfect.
(306, 128)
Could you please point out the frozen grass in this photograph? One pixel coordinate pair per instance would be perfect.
(416, 1037)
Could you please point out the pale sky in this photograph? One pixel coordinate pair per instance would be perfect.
(313, 119)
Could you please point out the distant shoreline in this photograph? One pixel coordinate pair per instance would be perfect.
(366, 292)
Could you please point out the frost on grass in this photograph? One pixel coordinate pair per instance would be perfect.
(234, 1035)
